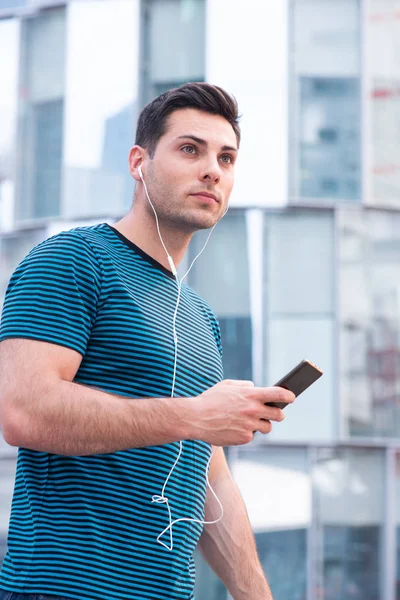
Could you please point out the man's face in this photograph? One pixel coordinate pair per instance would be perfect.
(195, 156)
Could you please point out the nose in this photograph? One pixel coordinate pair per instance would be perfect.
(211, 172)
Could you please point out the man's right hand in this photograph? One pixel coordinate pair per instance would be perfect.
(43, 409)
(231, 411)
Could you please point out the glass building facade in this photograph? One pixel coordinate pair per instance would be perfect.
(304, 265)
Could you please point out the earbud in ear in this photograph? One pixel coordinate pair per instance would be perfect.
(140, 172)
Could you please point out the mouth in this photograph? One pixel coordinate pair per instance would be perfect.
(206, 196)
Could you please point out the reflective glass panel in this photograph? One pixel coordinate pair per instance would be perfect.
(41, 109)
(174, 45)
(370, 322)
(9, 47)
(299, 315)
(349, 486)
(101, 107)
(325, 126)
(383, 81)
(270, 478)
(221, 277)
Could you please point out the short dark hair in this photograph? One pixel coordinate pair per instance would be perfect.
(152, 123)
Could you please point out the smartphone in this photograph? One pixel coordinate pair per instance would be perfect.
(298, 380)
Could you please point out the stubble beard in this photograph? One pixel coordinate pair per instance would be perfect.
(182, 218)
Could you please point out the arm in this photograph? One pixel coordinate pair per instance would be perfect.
(229, 546)
(41, 409)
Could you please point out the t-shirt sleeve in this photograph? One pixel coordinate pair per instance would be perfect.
(52, 295)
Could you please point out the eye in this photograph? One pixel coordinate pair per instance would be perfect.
(189, 149)
(227, 159)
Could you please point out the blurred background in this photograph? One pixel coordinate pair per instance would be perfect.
(306, 264)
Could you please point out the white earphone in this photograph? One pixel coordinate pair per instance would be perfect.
(163, 499)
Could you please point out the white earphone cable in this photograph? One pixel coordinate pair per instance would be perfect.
(162, 499)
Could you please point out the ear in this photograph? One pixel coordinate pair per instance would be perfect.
(136, 159)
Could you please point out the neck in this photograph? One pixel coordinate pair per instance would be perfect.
(140, 227)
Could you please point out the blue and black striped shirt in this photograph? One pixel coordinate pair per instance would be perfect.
(85, 527)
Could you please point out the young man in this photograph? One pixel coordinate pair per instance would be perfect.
(86, 375)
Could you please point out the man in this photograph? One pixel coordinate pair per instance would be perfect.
(86, 372)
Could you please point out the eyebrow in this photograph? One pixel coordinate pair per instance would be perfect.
(202, 142)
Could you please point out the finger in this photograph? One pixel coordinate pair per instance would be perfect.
(272, 414)
(264, 427)
(274, 394)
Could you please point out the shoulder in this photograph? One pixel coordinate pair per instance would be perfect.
(73, 247)
(77, 239)
(53, 294)
(65, 257)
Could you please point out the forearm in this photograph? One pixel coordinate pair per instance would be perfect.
(229, 545)
(66, 418)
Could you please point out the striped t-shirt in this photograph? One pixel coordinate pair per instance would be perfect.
(85, 527)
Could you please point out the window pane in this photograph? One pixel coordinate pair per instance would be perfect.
(298, 259)
(269, 479)
(221, 277)
(326, 85)
(299, 316)
(9, 47)
(174, 33)
(41, 114)
(383, 28)
(370, 322)
(289, 341)
(101, 109)
(349, 485)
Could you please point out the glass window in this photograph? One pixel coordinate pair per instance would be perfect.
(9, 47)
(326, 90)
(299, 315)
(370, 322)
(269, 479)
(221, 277)
(349, 487)
(383, 81)
(41, 105)
(174, 48)
(100, 107)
